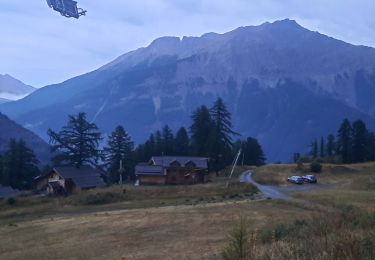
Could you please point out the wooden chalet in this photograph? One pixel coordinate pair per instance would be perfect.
(67, 180)
(172, 170)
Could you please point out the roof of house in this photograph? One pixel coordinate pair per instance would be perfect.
(6, 192)
(83, 177)
(165, 161)
(153, 170)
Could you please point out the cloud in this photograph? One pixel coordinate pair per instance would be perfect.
(41, 47)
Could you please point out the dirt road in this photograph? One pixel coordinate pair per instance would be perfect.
(275, 192)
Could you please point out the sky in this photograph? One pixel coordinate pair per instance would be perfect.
(40, 47)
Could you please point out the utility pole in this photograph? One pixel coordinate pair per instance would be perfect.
(121, 170)
(234, 165)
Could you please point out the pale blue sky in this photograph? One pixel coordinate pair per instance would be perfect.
(40, 47)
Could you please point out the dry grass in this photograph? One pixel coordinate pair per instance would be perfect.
(336, 197)
(331, 174)
(346, 233)
(126, 197)
(174, 232)
(181, 222)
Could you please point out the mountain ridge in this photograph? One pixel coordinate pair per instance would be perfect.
(165, 81)
(13, 89)
(11, 130)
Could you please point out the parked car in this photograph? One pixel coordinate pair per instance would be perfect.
(296, 179)
(309, 179)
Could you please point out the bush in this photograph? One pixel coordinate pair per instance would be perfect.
(347, 233)
(11, 201)
(367, 247)
(266, 236)
(316, 167)
(100, 198)
(241, 242)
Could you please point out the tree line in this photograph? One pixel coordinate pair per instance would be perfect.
(210, 135)
(79, 143)
(18, 166)
(353, 143)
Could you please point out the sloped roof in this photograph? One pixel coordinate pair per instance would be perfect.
(165, 161)
(150, 170)
(6, 192)
(83, 177)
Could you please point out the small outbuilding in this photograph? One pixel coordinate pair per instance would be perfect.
(172, 170)
(69, 179)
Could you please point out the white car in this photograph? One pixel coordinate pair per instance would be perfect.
(295, 179)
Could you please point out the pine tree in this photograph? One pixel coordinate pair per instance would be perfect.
(20, 166)
(314, 149)
(167, 141)
(149, 148)
(158, 143)
(360, 142)
(222, 135)
(344, 141)
(222, 123)
(253, 152)
(331, 145)
(371, 155)
(322, 148)
(77, 143)
(202, 131)
(119, 150)
(182, 142)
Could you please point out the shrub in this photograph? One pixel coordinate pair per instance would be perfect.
(100, 198)
(266, 236)
(367, 247)
(11, 201)
(241, 243)
(316, 167)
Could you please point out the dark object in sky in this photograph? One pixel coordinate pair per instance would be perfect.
(67, 8)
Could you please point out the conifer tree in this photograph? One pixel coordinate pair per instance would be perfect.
(158, 144)
(253, 152)
(167, 141)
(344, 141)
(77, 143)
(182, 142)
(314, 149)
(119, 150)
(222, 135)
(322, 153)
(20, 166)
(201, 130)
(360, 142)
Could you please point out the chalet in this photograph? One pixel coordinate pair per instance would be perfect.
(67, 180)
(172, 170)
(7, 192)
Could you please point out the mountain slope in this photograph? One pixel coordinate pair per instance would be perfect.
(13, 89)
(11, 130)
(284, 84)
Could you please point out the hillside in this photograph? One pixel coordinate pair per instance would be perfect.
(9, 130)
(283, 84)
(13, 89)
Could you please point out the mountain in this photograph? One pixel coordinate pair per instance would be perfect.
(13, 89)
(11, 130)
(284, 84)
(3, 100)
